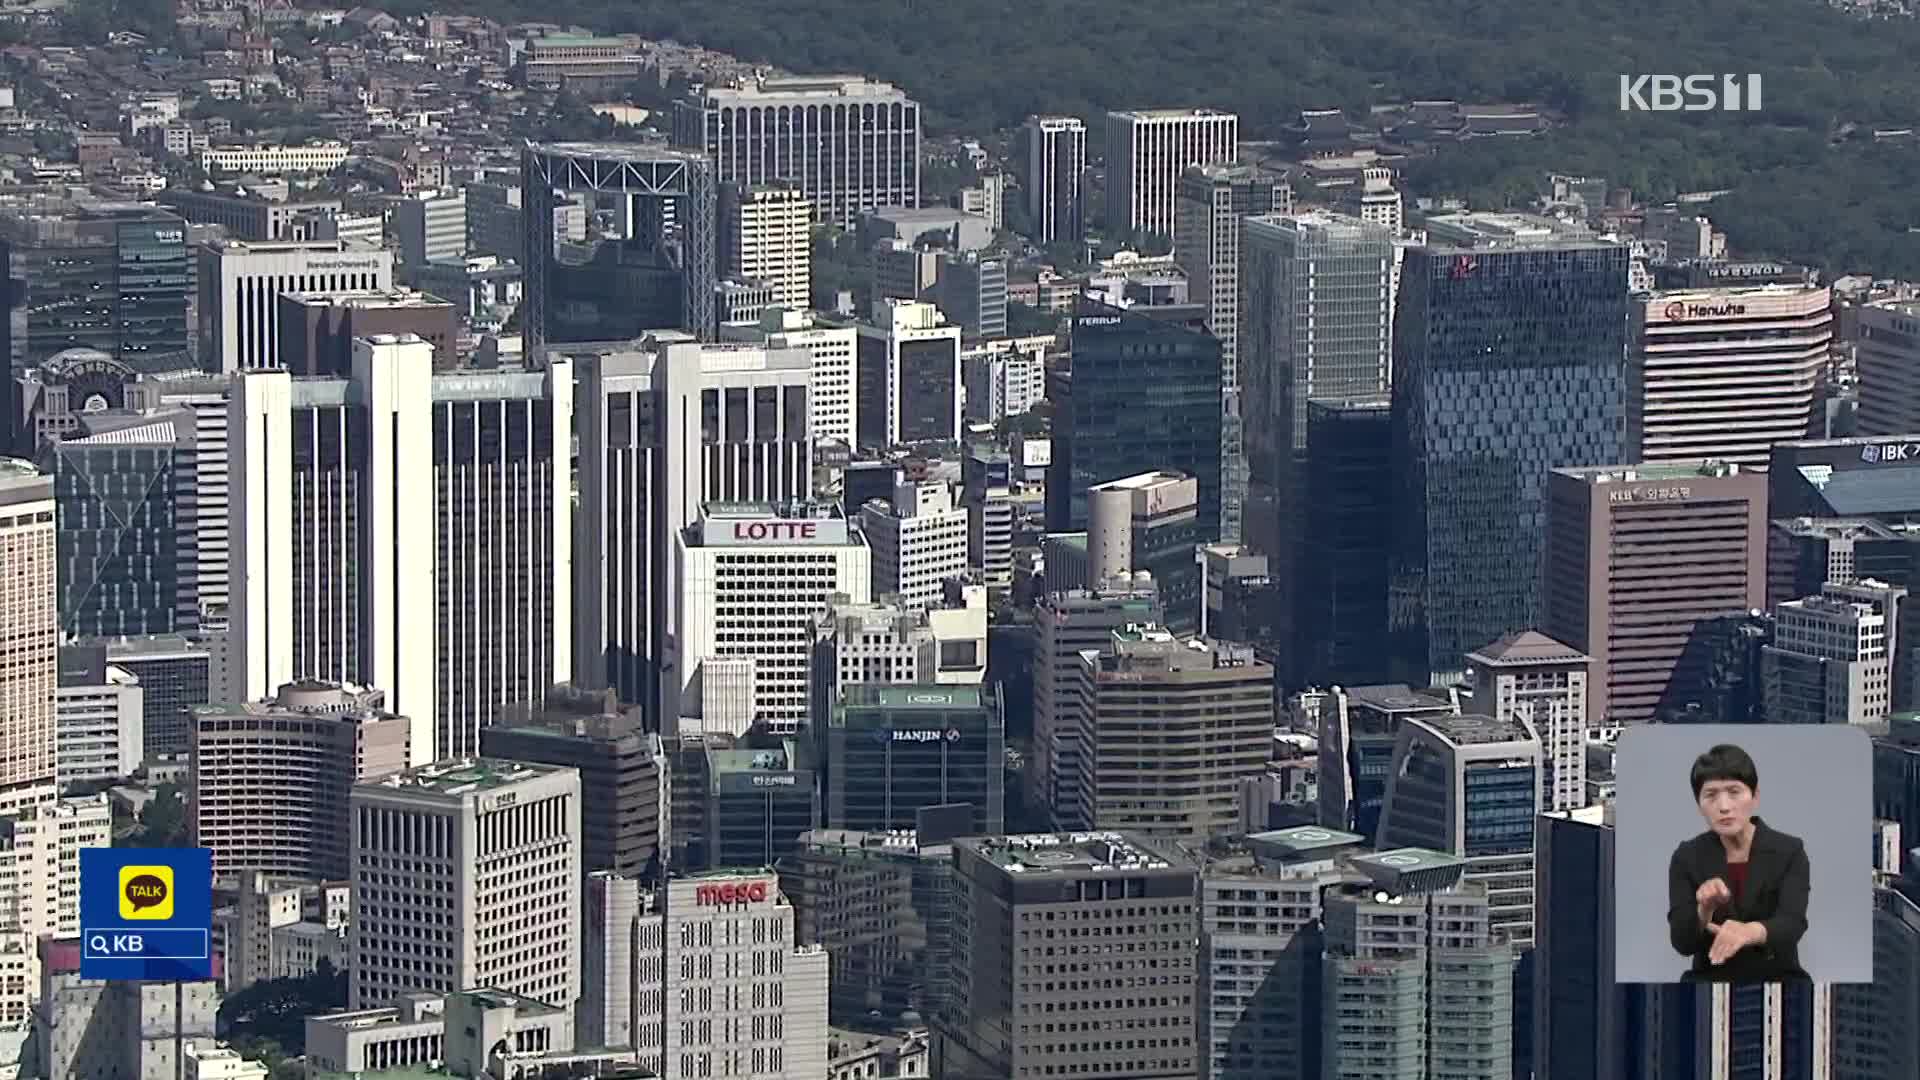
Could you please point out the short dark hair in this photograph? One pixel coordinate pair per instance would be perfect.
(1725, 762)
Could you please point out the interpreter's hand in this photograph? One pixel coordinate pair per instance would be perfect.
(1712, 895)
(1730, 937)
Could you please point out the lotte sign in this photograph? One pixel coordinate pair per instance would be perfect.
(730, 893)
(775, 530)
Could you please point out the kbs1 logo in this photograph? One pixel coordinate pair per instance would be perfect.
(1689, 93)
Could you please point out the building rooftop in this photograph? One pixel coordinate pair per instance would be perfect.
(618, 152)
(1489, 231)
(369, 298)
(490, 998)
(908, 697)
(1166, 114)
(1471, 729)
(464, 776)
(780, 760)
(1397, 697)
(1304, 840)
(1840, 528)
(1524, 648)
(1706, 469)
(1146, 648)
(1073, 853)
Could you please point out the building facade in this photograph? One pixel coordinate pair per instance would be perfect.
(1071, 622)
(30, 659)
(766, 235)
(1056, 158)
(889, 752)
(240, 284)
(907, 376)
(1531, 679)
(1147, 153)
(919, 542)
(1888, 365)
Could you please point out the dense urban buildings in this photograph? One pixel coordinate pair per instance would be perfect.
(1635, 558)
(1510, 360)
(115, 277)
(239, 285)
(1069, 623)
(1531, 679)
(1148, 151)
(1868, 477)
(1358, 736)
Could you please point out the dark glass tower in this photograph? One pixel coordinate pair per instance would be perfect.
(1144, 396)
(1510, 359)
(893, 751)
(1346, 543)
(117, 537)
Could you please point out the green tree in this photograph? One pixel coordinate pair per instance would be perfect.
(162, 822)
(274, 1012)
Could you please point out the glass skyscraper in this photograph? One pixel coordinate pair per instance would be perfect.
(1144, 396)
(116, 536)
(1510, 357)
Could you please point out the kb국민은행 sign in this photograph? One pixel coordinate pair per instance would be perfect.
(146, 913)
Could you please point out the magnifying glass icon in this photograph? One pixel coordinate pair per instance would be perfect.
(97, 943)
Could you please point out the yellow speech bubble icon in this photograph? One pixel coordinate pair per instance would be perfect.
(146, 892)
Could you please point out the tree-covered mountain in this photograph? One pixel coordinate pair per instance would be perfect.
(979, 65)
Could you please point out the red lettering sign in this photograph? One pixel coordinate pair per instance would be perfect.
(732, 892)
(774, 530)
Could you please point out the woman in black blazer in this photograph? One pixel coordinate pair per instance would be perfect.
(1737, 893)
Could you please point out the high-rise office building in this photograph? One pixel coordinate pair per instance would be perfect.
(1375, 201)
(877, 903)
(1876, 1027)
(1169, 729)
(1069, 623)
(1579, 1020)
(1635, 557)
(406, 531)
(1510, 360)
(431, 227)
(1888, 365)
(176, 672)
(40, 845)
(986, 491)
(1877, 478)
(907, 376)
(1532, 679)
(744, 804)
(888, 753)
(1138, 895)
(268, 780)
(1358, 734)
(1144, 396)
(765, 1016)
(240, 284)
(1726, 373)
(1316, 315)
(971, 290)
(428, 847)
(1148, 524)
(97, 720)
(1804, 555)
(317, 329)
(1414, 979)
(116, 501)
(1211, 204)
(1147, 153)
(1831, 658)
(919, 542)
(765, 235)
(852, 145)
(888, 643)
(623, 770)
(663, 429)
(832, 406)
(751, 579)
(1486, 773)
(30, 657)
(1056, 149)
(658, 267)
(1340, 600)
(114, 277)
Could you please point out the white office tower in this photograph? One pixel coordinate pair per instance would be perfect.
(852, 145)
(719, 989)
(887, 642)
(1831, 659)
(918, 542)
(1723, 374)
(663, 428)
(466, 873)
(240, 284)
(1374, 200)
(203, 502)
(1888, 366)
(907, 377)
(29, 657)
(98, 716)
(766, 236)
(1531, 678)
(40, 863)
(431, 227)
(1056, 158)
(1148, 151)
(832, 408)
(752, 578)
(406, 531)
(1004, 378)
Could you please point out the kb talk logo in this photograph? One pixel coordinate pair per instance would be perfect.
(146, 892)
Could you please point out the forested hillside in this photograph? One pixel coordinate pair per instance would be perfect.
(985, 64)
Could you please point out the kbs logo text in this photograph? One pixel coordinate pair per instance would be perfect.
(1689, 93)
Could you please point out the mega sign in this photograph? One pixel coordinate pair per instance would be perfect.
(725, 894)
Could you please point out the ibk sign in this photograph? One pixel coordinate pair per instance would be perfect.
(1890, 452)
(730, 893)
